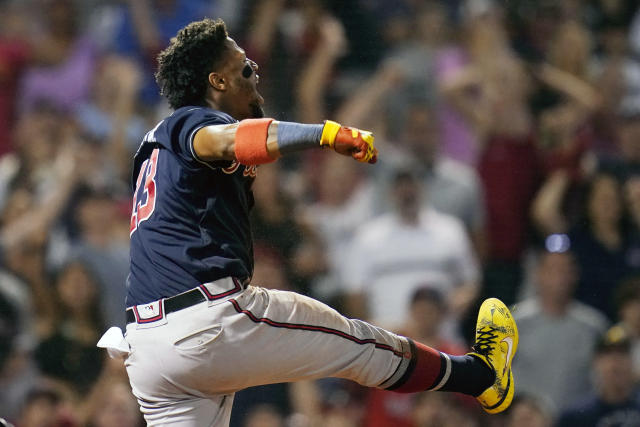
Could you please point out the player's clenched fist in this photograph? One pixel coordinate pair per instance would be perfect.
(349, 142)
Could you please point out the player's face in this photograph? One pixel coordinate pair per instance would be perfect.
(241, 98)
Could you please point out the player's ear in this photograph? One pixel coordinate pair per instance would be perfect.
(217, 81)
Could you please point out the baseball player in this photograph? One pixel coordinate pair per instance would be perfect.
(197, 330)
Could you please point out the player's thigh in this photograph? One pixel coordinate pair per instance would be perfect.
(189, 412)
(278, 336)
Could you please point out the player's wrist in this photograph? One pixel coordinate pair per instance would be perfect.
(329, 132)
(294, 137)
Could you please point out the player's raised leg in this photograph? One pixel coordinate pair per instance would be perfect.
(315, 341)
(306, 329)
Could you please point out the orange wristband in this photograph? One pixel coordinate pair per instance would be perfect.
(251, 142)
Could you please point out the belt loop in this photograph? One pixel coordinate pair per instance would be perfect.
(241, 283)
(150, 315)
(212, 294)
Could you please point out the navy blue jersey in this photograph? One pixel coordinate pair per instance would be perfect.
(190, 219)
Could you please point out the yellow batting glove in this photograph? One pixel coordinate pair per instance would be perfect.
(348, 141)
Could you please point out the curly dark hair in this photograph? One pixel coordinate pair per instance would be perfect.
(184, 66)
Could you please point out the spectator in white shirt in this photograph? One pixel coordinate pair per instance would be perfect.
(394, 254)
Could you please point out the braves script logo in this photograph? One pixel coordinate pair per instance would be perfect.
(249, 171)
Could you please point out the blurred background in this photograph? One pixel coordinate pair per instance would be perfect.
(509, 138)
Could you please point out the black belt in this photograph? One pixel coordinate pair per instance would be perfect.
(189, 298)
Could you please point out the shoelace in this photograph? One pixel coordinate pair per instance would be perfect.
(485, 342)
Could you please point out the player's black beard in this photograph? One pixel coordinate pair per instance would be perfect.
(256, 111)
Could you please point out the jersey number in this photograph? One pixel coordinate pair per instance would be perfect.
(144, 202)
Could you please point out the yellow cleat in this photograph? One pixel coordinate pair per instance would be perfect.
(496, 343)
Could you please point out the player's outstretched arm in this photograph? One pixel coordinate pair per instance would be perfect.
(258, 141)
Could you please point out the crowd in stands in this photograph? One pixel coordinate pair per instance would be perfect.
(509, 166)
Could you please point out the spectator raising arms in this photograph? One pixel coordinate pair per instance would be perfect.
(515, 121)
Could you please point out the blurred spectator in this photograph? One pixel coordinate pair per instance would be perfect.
(277, 227)
(8, 327)
(104, 250)
(631, 187)
(17, 371)
(364, 107)
(597, 239)
(427, 310)
(34, 192)
(490, 90)
(509, 172)
(416, 59)
(527, 411)
(405, 77)
(273, 403)
(336, 214)
(441, 410)
(17, 338)
(394, 254)
(299, 42)
(17, 304)
(631, 66)
(273, 219)
(553, 321)
(610, 23)
(68, 352)
(449, 186)
(264, 416)
(565, 71)
(143, 29)
(565, 101)
(532, 25)
(614, 67)
(392, 19)
(628, 306)
(625, 164)
(453, 188)
(45, 407)
(39, 136)
(456, 75)
(110, 115)
(386, 408)
(614, 402)
(64, 60)
(315, 77)
(115, 405)
(269, 269)
(478, 88)
(341, 402)
(14, 56)
(267, 18)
